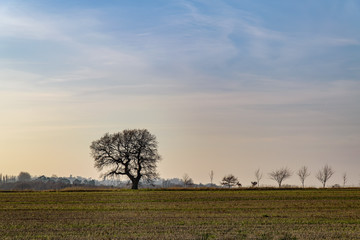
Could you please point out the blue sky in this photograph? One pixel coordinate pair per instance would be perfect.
(228, 86)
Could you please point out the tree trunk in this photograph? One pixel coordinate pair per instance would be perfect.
(135, 184)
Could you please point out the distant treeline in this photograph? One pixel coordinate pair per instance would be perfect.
(24, 181)
(7, 179)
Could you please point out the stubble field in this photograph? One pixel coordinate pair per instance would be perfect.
(180, 214)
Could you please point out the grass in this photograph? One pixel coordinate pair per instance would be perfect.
(179, 214)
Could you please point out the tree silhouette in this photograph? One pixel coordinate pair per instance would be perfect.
(132, 153)
(211, 175)
(280, 175)
(303, 173)
(258, 176)
(229, 181)
(187, 180)
(345, 179)
(324, 174)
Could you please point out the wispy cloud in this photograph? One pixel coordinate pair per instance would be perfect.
(18, 24)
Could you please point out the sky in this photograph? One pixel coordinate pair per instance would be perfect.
(229, 86)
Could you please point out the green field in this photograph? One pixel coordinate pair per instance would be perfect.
(177, 214)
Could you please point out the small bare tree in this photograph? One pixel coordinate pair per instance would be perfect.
(303, 173)
(258, 176)
(280, 175)
(344, 179)
(324, 174)
(187, 180)
(229, 181)
(211, 175)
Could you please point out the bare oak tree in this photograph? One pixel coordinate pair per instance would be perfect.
(303, 173)
(324, 174)
(258, 176)
(280, 175)
(229, 181)
(131, 153)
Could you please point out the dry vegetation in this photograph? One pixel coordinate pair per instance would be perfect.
(177, 214)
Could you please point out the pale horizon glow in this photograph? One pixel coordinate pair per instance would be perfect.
(226, 86)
